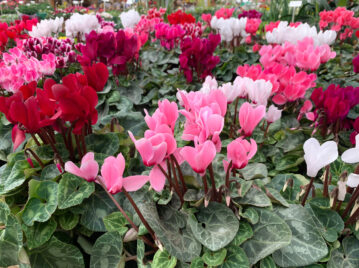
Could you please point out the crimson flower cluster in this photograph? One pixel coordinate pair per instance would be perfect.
(180, 17)
(33, 110)
(115, 49)
(333, 104)
(250, 14)
(15, 30)
(62, 49)
(197, 56)
(356, 64)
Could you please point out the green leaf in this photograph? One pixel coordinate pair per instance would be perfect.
(96, 207)
(12, 177)
(251, 215)
(140, 251)
(116, 222)
(253, 171)
(10, 237)
(107, 251)
(332, 222)
(42, 202)
(215, 226)
(276, 196)
(163, 259)
(280, 180)
(236, 258)
(68, 220)
(214, 258)
(197, 263)
(346, 256)
(244, 233)
(56, 254)
(254, 197)
(73, 190)
(103, 143)
(292, 141)
(179, 242)
(267, 262)
(39, 233)
(50, 172)
(46, 153)
(269, 234)
(306, 239)
(288, 161)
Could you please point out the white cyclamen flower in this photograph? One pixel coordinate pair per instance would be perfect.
(209, 84)
(318, 156)
(273, 114)
(81, 24)
(130, 18)
(259, 91)
(46, 28)
(351, 156)
(353, 180)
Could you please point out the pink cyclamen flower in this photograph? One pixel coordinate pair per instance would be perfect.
(154, 147)
(273, 114)
(200, 156)
(240, 151)
(249, 117)
(166, 113)
(88, 169)
(112, 175)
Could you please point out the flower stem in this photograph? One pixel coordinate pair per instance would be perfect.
(28, 150)
(179, 192)
(213, 182)
(326, 182)
(179, 173)
(227, 174)
(35, 139)
(351, 201)
(309, 186)
(353, 217)
(124, 213)
(145, 223)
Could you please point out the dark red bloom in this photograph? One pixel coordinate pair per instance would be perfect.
(197, 56)
(356, 64)
(96, 75)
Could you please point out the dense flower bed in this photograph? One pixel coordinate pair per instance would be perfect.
(174, 139)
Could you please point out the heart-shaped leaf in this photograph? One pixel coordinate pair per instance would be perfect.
(346, 256)
(39, 233)
(163, 259)
(103, 143)
(236, 258)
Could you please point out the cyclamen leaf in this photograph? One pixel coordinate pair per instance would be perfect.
(269, 234)
(236, 258)
(346, 256)
(39, 233)
(244, 233)
(163, 260)
(215, 226)
(107, 251)
(214, 258)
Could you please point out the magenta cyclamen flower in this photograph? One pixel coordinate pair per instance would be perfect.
(356, 64)
(169, 35)
(197, 56)
(249, 117)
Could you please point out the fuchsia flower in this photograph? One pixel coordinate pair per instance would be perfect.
(306, 109)
(356, 64)
(112, 175)
(224, 13)
(200, 156)
(169, 35)
(207, 18)
(154, 147)
(88, 169)
(249, 117)
(240, 151)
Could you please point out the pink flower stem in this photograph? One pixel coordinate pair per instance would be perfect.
(204, 180)
(179, 173)
(211, 175)
(37, 158)
(309, 186)
(179, 192)
(78, 146)
(169, 176)
(98, 179)
(145, 223)
(227, 174)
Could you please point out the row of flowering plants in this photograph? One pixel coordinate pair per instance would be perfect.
(167, 141)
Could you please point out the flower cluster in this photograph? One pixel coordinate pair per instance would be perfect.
(288, 84)
(356, 64)
(62, 49)
(72, 101)
(339, 20)
(130, 18)
(115, 49)
(197, 56)
(16, 68)
(333, 104)
(169, 35)
(224, 13)
(250, 14)
(15, 31)
(281, 32)
(180, 17)
(46, 28)
(78, 25)
(303, 55)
